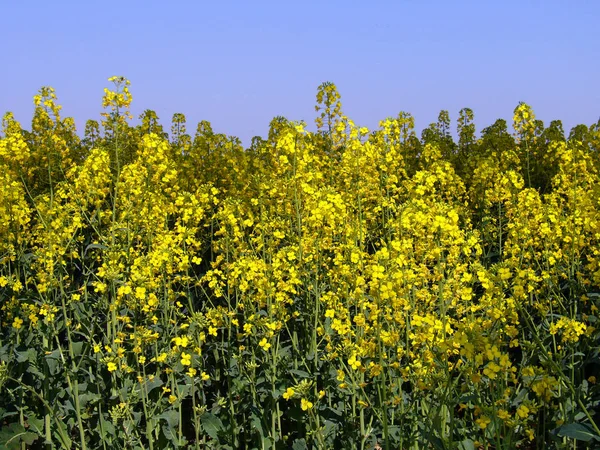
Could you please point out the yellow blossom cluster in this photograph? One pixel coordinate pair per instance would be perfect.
(325, 288)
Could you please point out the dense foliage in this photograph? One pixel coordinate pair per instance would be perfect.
(331, 289)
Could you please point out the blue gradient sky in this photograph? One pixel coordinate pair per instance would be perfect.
(239, 63)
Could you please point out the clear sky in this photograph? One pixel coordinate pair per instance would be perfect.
(240, 63)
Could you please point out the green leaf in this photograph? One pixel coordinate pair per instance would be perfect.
(4, 414)
(153, 384)
(27, 355)
(184, 390)
(107, 430)
(33, 370)
(36, 424)
(77, 348)
(169, 434)
(211, 424)
(467, 444)
(29, 438)
(63, 437)
(435, 441)
(257, 424)
(53, 362)
(172, 418)
(14, 434)
(394, 433)
(333, 414)
(578, 431)
(329, 428)
(299, 444)
(88, 397)
(299, 373)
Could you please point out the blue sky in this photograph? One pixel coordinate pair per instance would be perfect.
(239, 63)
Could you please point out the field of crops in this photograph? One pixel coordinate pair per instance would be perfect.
(344, 288)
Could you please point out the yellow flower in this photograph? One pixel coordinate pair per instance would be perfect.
(181, 341)
(186, 359)
(205, 376)
(124, 290)
(354, 363)
(523, 411)
(111, 366)
(17, 323)
(289, 393)
(99, 287)
(172, 398)
(305, 404)
(483, 422)
(503, 414)
(192, 372)
(528, 372)
(530, 434)
(264, 344)
(504, 273)
(140, 293)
